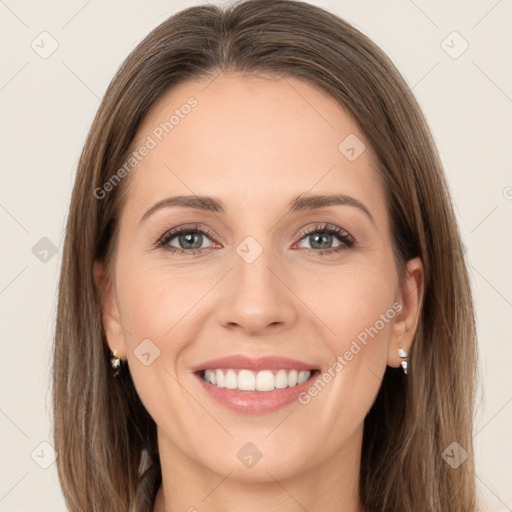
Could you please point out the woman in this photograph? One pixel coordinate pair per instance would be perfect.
(263, 302)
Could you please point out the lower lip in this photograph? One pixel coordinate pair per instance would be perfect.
(256, 402)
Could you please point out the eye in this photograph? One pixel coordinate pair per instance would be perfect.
(184, 240)
(321, 238)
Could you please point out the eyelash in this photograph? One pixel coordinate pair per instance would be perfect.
(347, 241)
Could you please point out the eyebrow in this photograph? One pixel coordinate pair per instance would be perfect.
(301, 203)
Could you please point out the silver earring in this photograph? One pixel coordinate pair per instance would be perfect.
(403, 354)
(116, 363)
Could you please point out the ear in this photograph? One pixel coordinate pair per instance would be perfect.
(110, 311)
(406, 322)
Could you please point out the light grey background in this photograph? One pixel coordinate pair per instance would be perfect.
(47, 105)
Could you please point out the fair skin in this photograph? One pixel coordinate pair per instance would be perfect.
(256, 143)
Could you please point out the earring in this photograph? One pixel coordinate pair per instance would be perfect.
(116, 363)
(403, 354)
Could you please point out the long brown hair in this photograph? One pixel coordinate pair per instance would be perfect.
(106, 441)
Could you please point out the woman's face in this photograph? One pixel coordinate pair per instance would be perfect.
(258, 273)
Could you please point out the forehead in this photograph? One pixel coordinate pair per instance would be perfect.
(253, 139)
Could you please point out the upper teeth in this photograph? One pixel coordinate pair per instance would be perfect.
(247, 380)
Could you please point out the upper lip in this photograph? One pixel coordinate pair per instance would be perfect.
(239, 361)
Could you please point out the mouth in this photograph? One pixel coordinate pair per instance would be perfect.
(254, 386)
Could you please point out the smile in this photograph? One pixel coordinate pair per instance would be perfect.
(254, 385)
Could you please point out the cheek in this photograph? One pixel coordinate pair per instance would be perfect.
(153, 308)
(156, 303)
(359, 309)
(351, 302)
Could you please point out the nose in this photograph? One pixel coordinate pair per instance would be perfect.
(258, 297)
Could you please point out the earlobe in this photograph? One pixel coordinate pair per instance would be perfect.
(406, 322)
(109, 310)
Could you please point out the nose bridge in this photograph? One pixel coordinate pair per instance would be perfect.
(257, 297)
